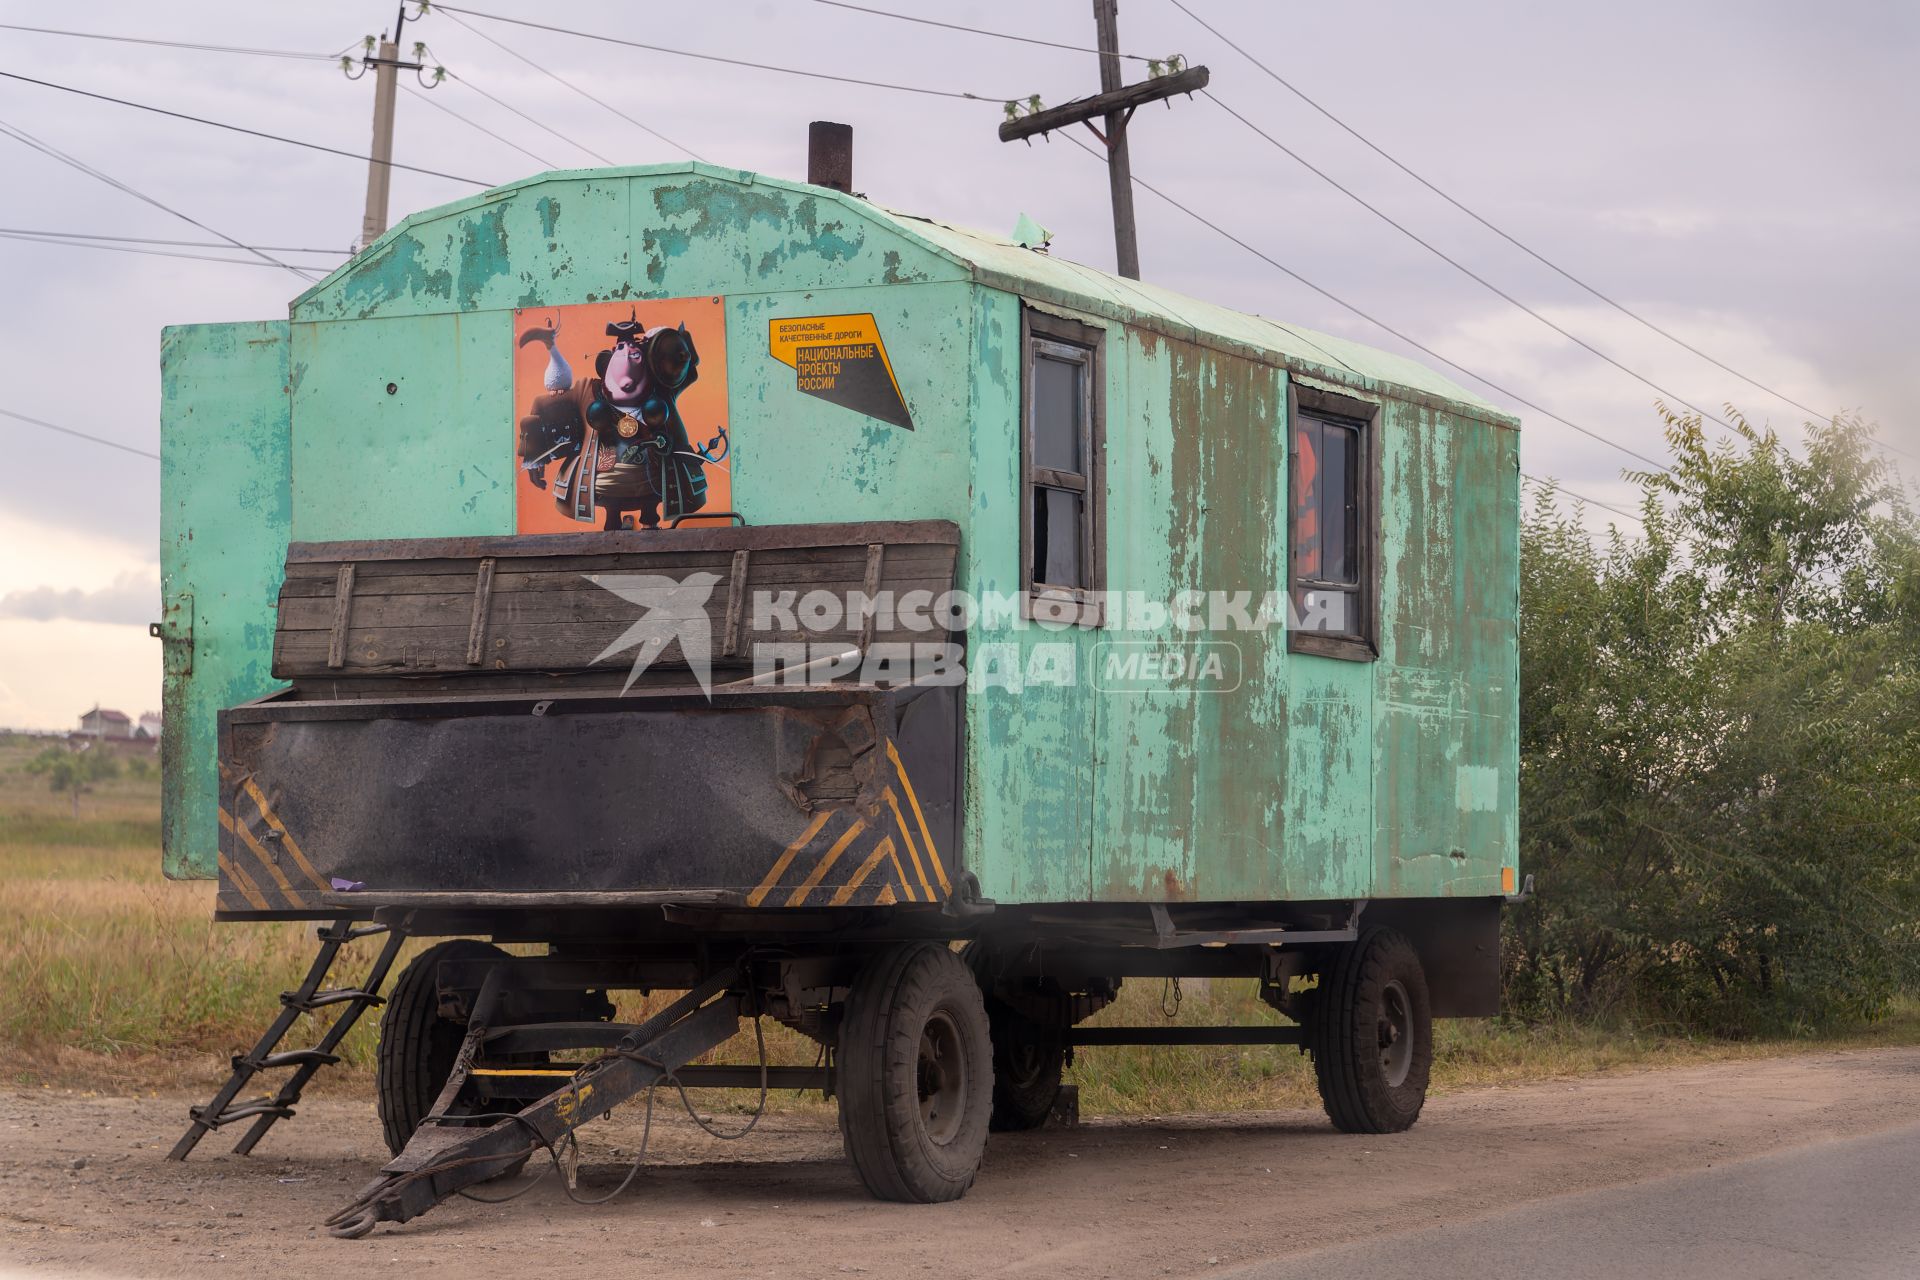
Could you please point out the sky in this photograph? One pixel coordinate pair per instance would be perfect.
(1741, 172)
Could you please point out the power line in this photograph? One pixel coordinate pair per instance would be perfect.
(475, 124)
(100, 175)
(174, 44)
(1455, 263)
(234, 128)
(190, 244)
(981, 31)
(562, 80)
(1371, 145)
(1370, 319)
(714, 57)
(507, 106)
(153, 253)
(1557, 487)
(69, 431)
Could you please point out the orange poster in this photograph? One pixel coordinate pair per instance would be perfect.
(621, 415)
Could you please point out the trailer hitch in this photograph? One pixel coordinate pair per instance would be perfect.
(450, 1152)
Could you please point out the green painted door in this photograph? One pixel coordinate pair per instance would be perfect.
(224, 515)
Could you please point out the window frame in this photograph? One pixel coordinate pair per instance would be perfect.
(1362, 643)
(1047, 602)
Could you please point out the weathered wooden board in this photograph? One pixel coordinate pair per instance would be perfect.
(537, 605)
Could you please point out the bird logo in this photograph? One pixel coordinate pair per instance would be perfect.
(675, 610)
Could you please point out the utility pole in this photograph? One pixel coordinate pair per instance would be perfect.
(1114, 104)
(386, 66)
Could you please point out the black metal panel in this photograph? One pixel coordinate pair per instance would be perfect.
(776, 798)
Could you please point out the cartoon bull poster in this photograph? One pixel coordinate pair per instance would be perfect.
(615, 426)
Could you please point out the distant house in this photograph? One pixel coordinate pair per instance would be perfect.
(103, 722)
(149, 726)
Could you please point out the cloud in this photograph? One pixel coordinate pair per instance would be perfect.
(133, 599)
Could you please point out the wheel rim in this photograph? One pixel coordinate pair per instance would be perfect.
(1395, 1031)
(942, 1078)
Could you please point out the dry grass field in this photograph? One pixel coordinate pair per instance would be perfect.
(116, 978)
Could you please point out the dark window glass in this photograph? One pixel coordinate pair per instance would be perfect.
(1059, 413)
(1337, 503)
(1057, 530)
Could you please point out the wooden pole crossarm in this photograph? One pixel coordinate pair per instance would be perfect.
(1125, 98)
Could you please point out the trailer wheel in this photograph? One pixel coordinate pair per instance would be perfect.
(1371, 1034)
(915, 1074)
(418, 1046)
(1028, 1058)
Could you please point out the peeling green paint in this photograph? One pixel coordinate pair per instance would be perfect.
(1317, 779)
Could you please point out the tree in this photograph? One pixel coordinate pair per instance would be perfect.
(1720, 741)
(73, 771)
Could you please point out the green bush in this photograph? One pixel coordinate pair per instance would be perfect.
(1720, 723)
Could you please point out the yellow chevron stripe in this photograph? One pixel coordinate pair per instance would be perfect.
(901, 873)
(263, 857)
(906, 783)
(286, 836)
(882, 850)
(248, 889)
(900, 820)
(785, 860)
(821, 868)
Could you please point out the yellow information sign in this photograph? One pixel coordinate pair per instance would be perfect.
(841, 359)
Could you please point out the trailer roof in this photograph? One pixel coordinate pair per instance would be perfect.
(1002, 263)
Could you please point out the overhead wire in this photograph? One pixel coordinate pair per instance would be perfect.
(1378, 323)
(504, 105)
(69, 431)
(603, 38)
(100, 175)
(190, 244)
(475, 124)
(1511, 239)
(155, 253)
(177, 44)
(981, 31)
(551, 74)
(1455, 263)
(235, 128)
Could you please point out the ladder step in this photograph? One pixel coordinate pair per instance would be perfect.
(321, 999)
(287, 1058)
(243, 1111)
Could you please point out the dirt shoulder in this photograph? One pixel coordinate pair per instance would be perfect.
(84, 1188)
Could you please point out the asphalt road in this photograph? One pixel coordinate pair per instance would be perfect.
(1846, 1210)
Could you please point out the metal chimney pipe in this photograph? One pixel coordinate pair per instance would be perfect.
(830, 155)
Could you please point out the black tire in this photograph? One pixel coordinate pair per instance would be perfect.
(417, 1046)
(915, 1074)
(1371, 1035)
(1028, 1059)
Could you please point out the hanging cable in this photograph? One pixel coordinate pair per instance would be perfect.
(475, 124)
(1455, 263)
(189, 244)
(507, 106)
(69, 431)
(981, 31)
(562, 80)
(1537, 256)
(155, 253)
(601, 38)
(54, 153)
(175, 44)
(235, 128)
(1337, 300)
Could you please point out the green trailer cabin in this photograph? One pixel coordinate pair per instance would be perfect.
(745, 589)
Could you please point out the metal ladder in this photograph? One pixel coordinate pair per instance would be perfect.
(267, 1055)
